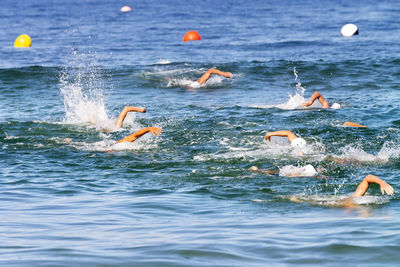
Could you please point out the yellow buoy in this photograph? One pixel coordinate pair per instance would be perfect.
(23, 41)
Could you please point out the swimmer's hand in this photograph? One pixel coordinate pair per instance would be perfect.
(306, 104)
(386, 188)
(228, 75)
(268, 136)
(155, 131)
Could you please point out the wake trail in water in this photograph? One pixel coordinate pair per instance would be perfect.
(172, 76)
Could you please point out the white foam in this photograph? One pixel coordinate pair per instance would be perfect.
(390, 149)
(298, 171)
(185, 82)
(108, 145)
(294, 102)
(354, 154)
(82, 91)
(163, 61)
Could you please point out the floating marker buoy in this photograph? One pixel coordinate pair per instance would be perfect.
(191, 36)
(23, 41)
(126, 9)
(349, 30)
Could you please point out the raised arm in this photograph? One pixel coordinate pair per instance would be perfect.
(318, 96)
(131, 138)
(203, 79)
(363, 186)
(290, 136)
(122, 115)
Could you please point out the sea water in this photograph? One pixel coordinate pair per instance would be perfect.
(71, 196)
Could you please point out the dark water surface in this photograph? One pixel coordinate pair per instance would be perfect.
(69, 196)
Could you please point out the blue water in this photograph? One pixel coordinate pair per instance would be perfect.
(69, 196)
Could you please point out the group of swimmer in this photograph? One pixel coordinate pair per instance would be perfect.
(294, 140)
(156, 130)
(299, 142)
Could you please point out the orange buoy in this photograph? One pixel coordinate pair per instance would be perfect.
(191, 36)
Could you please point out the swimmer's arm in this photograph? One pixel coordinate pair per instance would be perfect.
(122, 115)
(131, 138)
(203, 79)
(363, 186)
(291, 136)
(318, 96)
(256, 169)
(353, 124)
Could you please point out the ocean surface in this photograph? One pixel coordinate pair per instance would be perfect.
(71, 196)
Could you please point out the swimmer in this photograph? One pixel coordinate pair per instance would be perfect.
(322, 100)
(360, 191)
(132, 138)
(353, 124)
(122, 115)
(293, 139)
(203, 79)
(363, 187)
(291, 171)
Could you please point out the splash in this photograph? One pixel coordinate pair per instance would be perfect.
(390, 149)
(299, 89)
(163, 62)
(180, 76)
(294, 101)
(351, 154)
(185, 82)
(110, 146)
(298, 171)
(82, 90)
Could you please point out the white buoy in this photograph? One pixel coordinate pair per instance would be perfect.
(349, 30)
(126, 9)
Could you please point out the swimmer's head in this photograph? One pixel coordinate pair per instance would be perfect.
(335, 106)
(253, 168)
(309, 170)
(298, 142)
